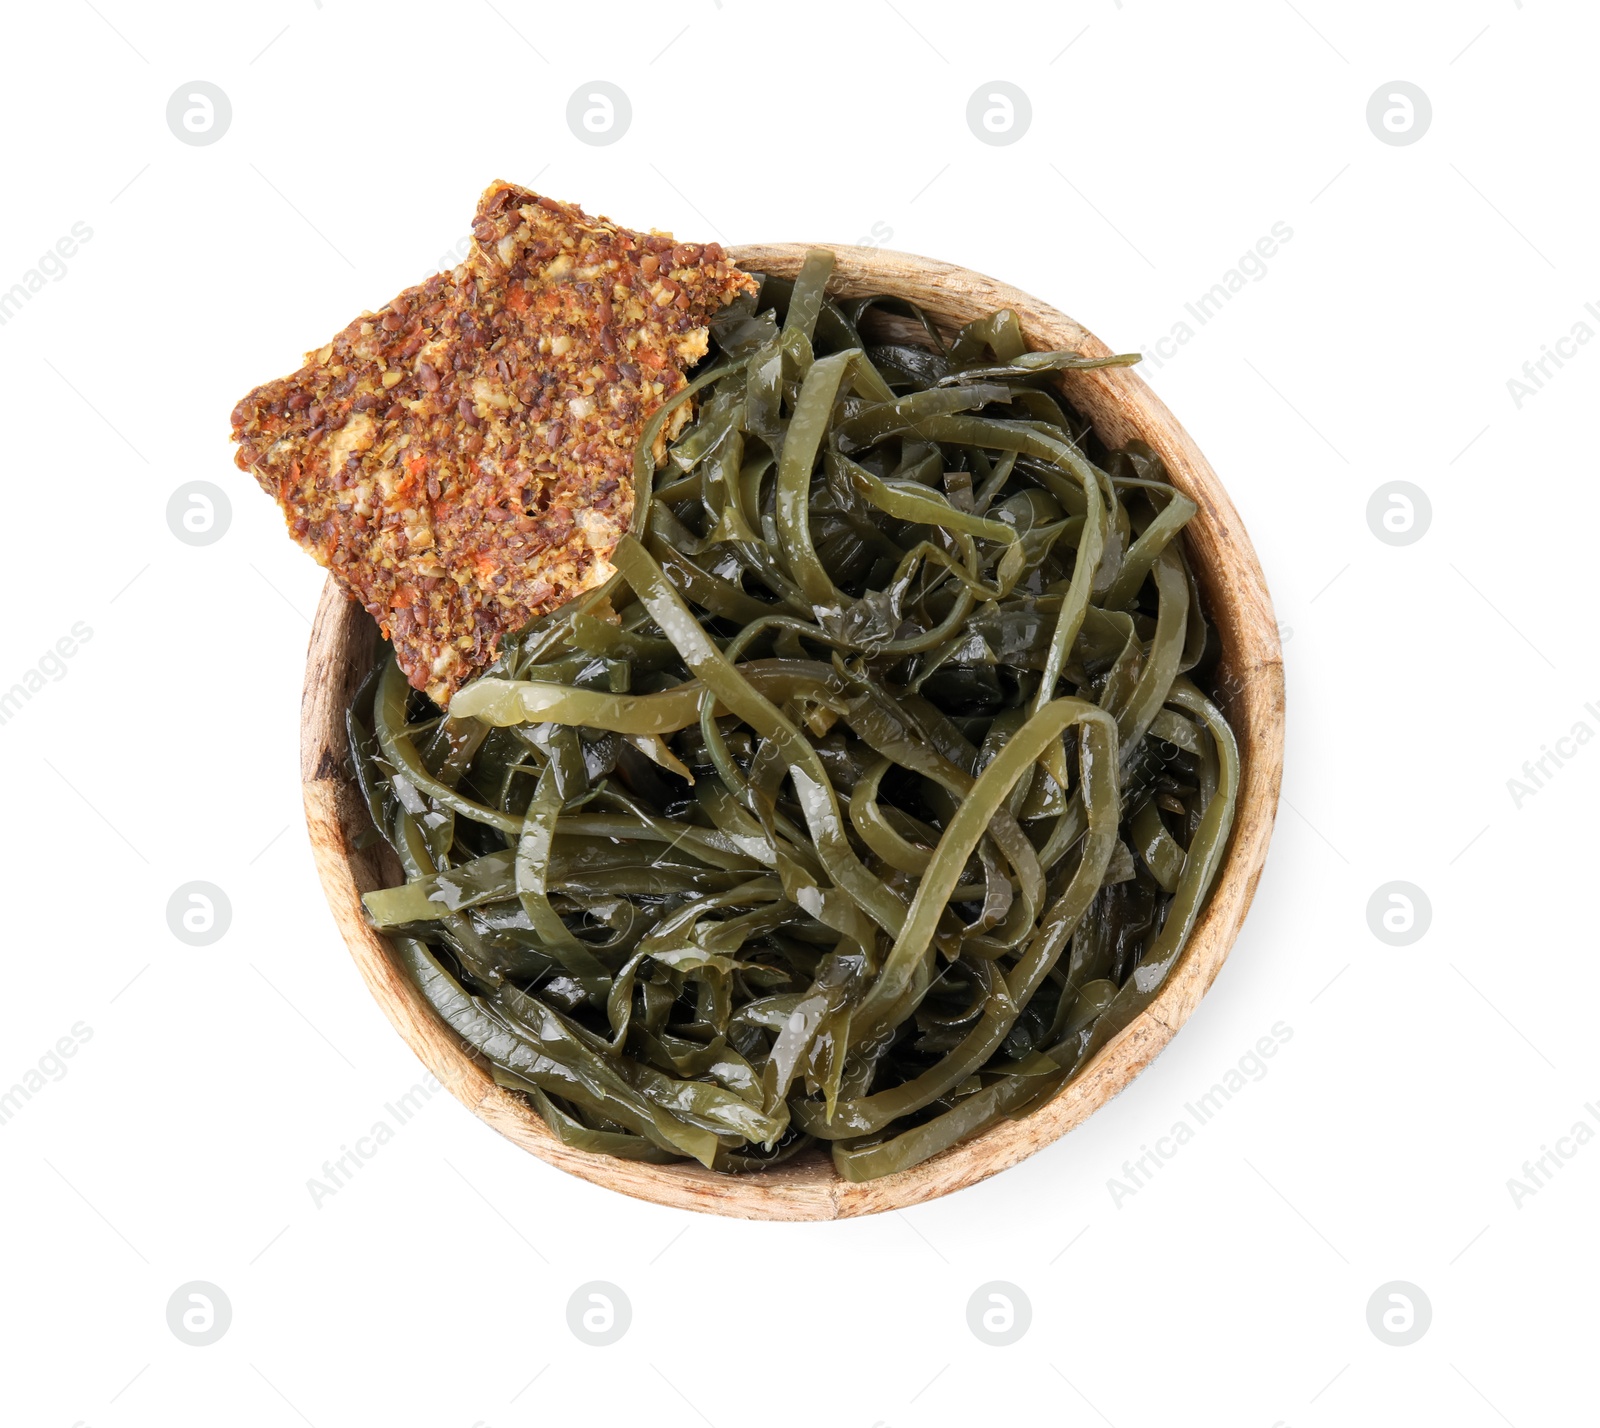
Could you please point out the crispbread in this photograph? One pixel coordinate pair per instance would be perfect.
(461, 459)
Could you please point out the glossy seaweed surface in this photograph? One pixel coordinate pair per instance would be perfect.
(873, 793)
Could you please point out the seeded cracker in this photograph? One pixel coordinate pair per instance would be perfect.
(462, 459)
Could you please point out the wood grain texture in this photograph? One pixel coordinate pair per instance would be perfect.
(1121, 406)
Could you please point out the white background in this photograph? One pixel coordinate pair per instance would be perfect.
(1166, 139)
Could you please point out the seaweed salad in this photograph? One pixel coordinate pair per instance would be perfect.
(875, 791)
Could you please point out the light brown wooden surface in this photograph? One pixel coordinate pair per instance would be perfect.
(1121, 406)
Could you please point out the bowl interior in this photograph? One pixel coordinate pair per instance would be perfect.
(1250, 691)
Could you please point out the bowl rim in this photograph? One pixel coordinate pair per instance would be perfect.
(1120, 405)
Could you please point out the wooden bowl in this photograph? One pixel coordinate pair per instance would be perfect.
(1250, 691)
